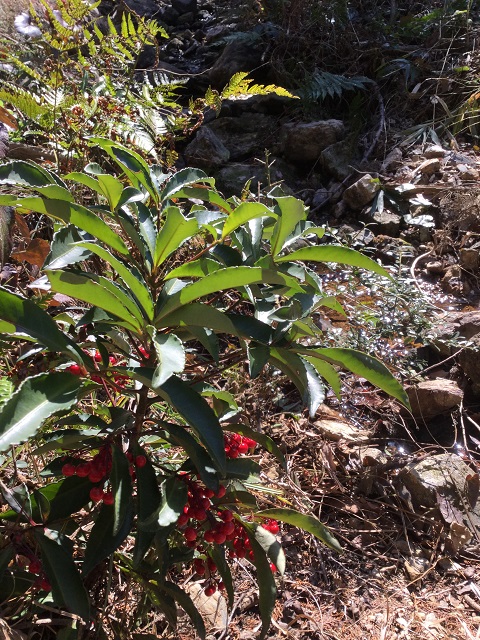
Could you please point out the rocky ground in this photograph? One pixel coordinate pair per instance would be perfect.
(400, 491)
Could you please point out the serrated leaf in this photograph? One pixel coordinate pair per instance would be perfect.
(305, 522)
(67, 586)
(36, 399)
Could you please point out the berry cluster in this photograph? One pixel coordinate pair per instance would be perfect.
(98, 469)
(79, 370)
(236, 445)
(41, 581)
(202, 523)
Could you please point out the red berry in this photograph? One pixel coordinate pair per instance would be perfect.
(210, 589)
(273, 567)
(209, 493)
(212, 567)
(140, 461)
(209, 536)
(199, 514)
(221, 491)
(200, 568)
(97, 357)
(75, 369)
(83, 469)
(108, 498)
(96, 475)
(241, 552)
(96, 494)
(182, 520)
(228, 528)
(68, 469)
(242, 447)
(227, 515)
(221, 586)
(220, 537)
(44, 584)
(35, 567)
(190, 534)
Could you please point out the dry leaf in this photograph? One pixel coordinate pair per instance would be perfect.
(35, 253)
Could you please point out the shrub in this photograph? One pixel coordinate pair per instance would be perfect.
(148, 464)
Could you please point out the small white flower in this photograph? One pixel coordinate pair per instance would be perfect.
(23, 24)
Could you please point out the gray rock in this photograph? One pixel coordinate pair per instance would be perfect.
(303, 142)
(385, 223)
(446, 483)
(435, 151)
(469, 359)
(320, 198)
(207, 151)
(232, 178)
(361, 192)
(428, 167)
(185, 6)
(246, 135)
(337, 160)
(237, 56)
(431, 398)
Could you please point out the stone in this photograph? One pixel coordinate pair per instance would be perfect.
(428, 167)
(385, 223)
(393, 159)
(431, 398)
(361, 192)
(237, 56)
(435, 151)
(469, 359)
(206, 151)
(466, 172)
(232, 178)
(445, 483)
(469, 258)
(247, 135)
(320, 198)
(185, 6)
(303, 142)
(341, 430)
(337, 160)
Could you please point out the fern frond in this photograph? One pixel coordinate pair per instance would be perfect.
(323, 84)
(240, 85)
(27, 103)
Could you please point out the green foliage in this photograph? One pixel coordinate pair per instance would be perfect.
(322, 84)
(151, 469)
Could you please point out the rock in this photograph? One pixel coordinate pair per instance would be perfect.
(435, 267)
(385, 223)
(452, 280)
(469, 258)
(320, 198)
(337, 159)
(237, 56)
(393, 159)
(207, 151)
(444, 482)
(303, 142)
(466, 172)
(428, 167)
(341, 430)
(469, 359)
(185, 6)
(213, 609)
(463, 325)
(433, 397)
(246, 135)
(361, 192)
(435, 151)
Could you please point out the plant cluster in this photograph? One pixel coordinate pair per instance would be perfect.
(149, 461)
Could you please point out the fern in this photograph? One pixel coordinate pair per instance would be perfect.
(27, 103)
(322, 84)
(240, 85)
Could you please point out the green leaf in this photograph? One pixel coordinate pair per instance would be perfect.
(148, 501)
(243, 213)
(292, 212)
(266, 581)
(121, 487)
(223, 279)
(170, 355)
(202, 462)
(199, 415)
(111, 188)
(184, 178)
(174, 232)
(205, 194)
(258, 355)
(269, 543)
(19, 315)
(363, 365)
(71, 213)
(196, 269)
(6, 555)
(99, 292)
(303, 375)
(134, 281)
(328, 373)
(64, 249)
(342, 255)
(36, 399)
(187, 605)
(102, 541)
(305, 522)
(131, 163)
(67, 586)
(243, 469)
(206, 316)
(174, 498)
(29, 174)
(217, 554)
